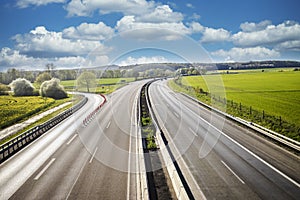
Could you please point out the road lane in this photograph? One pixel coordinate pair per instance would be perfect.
(217, 161)
(91, 161)
(16, 170)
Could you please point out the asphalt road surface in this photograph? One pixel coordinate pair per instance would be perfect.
(77, 161)
(226, 160)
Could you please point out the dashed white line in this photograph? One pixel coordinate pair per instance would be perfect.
(176, 114)
(45, 168)
(193, 131)
(232, 172)
(107, 126)
(91, 160)
(69, 142)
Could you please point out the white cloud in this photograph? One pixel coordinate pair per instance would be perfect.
(289, 45)
(27, 3)
(127, 7)
(161, 13)
(252, 27)
(189, 5)
(196, 27)
(90, 31)
(246, 54)
(129, 27)
(43, 43)
(13, 58)
(270, 35)
(215, 35)
(143, 60)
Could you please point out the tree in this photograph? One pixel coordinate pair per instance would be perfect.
(87, 80)
(53, 89)
(22, 87)
(43, 77)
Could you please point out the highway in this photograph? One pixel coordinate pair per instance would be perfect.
(226, 161)
(80, 161)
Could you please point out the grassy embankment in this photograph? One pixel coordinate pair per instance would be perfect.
(271, 99)
(104, 85)
(28, 107)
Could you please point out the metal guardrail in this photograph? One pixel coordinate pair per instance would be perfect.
(288, 142)
(16, 144)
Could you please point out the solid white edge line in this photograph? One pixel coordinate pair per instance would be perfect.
(129, 153)
(44, 169)
(248, 151)
(108, 124)
(91, 160)
(232, 172)
(69, 142)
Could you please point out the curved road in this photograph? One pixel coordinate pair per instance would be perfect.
(77, 161)
(226, 160)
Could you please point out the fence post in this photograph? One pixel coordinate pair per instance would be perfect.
(263, 114)
(250, 110)
(280, 120)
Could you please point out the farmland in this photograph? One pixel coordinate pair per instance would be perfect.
(275, 93)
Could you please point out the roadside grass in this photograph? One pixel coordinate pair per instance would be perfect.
(74, 99)
(275, 94)
(18, 109)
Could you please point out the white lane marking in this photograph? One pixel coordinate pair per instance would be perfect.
(176, 114)
(45, 168)
(91, 160)
(247, 150)
(232, 172)
(193, 131)
(69, 142)
(129, 153)
(108, 124)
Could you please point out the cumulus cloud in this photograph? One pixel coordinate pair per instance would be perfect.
(161, 13)
(143, 60)
(215, 35)
(127, 7)
(13, 58)
(27, 3)
(251, 27)
(266, 34)
(246, 54)
(88, 31)
(43, 43)
(129, 27)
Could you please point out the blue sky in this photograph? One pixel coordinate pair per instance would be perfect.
(74, 33)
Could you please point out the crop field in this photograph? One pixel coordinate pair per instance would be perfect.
(16, 109)
(274, 93)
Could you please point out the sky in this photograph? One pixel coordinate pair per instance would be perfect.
(87, 33)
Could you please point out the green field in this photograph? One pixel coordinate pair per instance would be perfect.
(17, 109)
(105, 85)
(275, 93)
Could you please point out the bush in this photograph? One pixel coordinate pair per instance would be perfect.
(4, 89)
(53, 89)
(22, 87)
(43, 77)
